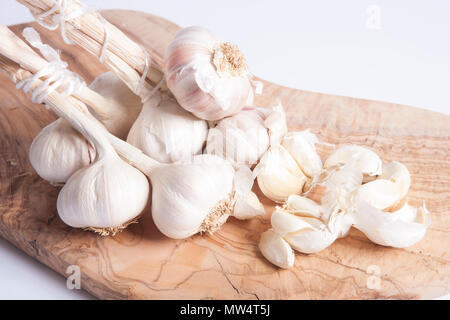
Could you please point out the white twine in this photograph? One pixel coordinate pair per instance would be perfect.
(59, 20)
(56, 72)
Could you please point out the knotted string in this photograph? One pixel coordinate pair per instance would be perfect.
(56, 72)
(60, 17)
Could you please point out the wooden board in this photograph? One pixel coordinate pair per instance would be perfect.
(142, 263)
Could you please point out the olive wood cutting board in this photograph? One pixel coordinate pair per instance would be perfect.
(140, 263)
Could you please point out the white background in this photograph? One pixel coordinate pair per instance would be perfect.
(389, 50)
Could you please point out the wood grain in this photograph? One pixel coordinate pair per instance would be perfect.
(140, 263)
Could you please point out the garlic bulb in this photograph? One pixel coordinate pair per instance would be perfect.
(105, 196)
(397, 173)
(58, 151)
(124, 105)
(275, 249)
(241, 139)
(208, 77)
(279, 175)
(193, 197)
(365, 160)
(402, 228)
(166, 132)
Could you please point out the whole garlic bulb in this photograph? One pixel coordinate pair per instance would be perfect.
(193, 197)
(58, 151)
(241, 139)
(123, 108)
(208, 77)
(104, 196)
(166, 132)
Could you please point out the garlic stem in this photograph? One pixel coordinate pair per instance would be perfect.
(75, 113)
(123, 56)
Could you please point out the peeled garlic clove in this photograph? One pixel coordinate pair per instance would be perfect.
(397, 173)
(125, 105)
(279, 176)
(166, 132)
(380, 194)
(188, 198)
(367, 161)
(248, 207)
(104, 196)
(276, 250)
(58, 151)
(402, 228)
(303, 206)
(301, 146)
(208, 77)
(241, 139)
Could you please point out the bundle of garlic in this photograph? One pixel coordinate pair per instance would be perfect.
(118, 110)
(177, 188)
(207, 76)
(163, 130)
(290, 162)
(378, 208)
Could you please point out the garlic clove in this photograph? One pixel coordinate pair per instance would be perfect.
(402, 228)
(193, 197)
(303, 206)
(241, 139)
(309, 240)
(125, 105)
(367, 161)
(380, 194)
(397, 173)
(248, 207)
(279, 176)
(166, 132)
(58, 151)
(208, 77)
(276, 250)
(104, 196)
(275, 123)
(284, 222)
(301, 146)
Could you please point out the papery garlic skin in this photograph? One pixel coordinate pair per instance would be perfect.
(124, 103)
(275, 249)
(301, 146)
(104, 195)
(367, 161)
(166, 132)
(185, 194)
(58, 151)
(208, 77)
(402, 228)
(279, 175)
(241, 138)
